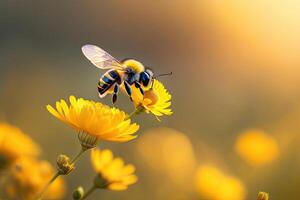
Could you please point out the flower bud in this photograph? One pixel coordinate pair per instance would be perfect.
(64, 165)
(263, 196)
(78, 193)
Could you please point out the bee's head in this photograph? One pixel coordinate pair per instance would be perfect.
(134, 65)
(146, 77)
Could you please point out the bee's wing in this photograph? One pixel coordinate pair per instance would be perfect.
(100, 58)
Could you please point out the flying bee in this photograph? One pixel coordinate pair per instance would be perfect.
(127, 72)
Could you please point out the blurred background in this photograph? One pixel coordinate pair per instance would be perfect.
(235, 89)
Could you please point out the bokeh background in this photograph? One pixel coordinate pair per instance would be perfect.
(235, 71)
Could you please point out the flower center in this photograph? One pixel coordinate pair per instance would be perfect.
(152, 96)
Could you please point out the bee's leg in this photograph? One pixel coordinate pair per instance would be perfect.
(115, 94)
(138, 85)
(128, 89)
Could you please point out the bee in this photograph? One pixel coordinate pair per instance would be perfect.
(128, 72)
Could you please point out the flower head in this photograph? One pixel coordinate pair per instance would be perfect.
(14, 144)
(27, 178)
(94, 121)
(256, 147)
(156, 99)
(112, 173)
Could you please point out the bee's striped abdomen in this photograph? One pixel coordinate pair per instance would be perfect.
(107, 81)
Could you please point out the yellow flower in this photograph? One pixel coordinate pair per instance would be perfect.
(14, 144)
(256, 147)
(213, 184)
(176, 164)
(112, 173)
(27, 178)
(94, 121)
(156, 100)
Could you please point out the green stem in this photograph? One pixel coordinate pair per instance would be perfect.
(135, 112)
(90, 191)
(58, 173)
(78, 155)
(48, 184)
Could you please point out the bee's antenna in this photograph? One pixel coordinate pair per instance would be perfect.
(167, 74)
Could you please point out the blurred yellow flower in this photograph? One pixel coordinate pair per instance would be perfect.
(94, 121)
(27, 178)
(172, 156)
(256, 147)
(213, 184)
(14, 144)
(156, 100)
(113, 174)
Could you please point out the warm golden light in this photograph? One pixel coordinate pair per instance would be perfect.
(213, 184)
(262, 31)
(256, 147)
(215, 71)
